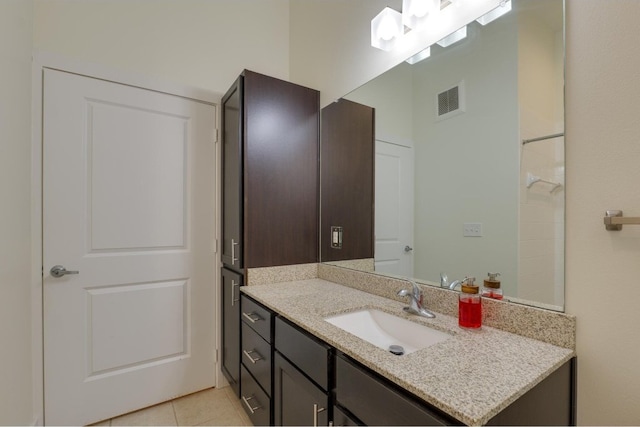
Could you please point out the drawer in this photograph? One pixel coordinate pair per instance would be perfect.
(256, 357)
(308, 353)
(256, 316)
(377, 402)
(254, 400)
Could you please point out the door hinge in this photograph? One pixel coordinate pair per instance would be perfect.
(215, 246)
(217, 351)
(216, 136)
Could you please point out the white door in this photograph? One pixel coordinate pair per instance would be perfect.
(128, 201)
(394, 209)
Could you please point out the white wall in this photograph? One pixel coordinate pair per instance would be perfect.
(15, 184)
(602, 103)
(201, 43)
(603, 154)
(198, 43)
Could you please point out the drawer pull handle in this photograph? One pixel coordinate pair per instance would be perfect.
(233, 251)
(252, 317)
(316, 411)
(252, 409)
(234, 300)
(252, 359)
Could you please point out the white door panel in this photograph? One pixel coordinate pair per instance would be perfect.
(128, 201)
(394, 209)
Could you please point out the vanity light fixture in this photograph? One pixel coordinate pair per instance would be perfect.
(453, 37)
(416, 13)
(386, 29)
(423, 54)
(505, 7)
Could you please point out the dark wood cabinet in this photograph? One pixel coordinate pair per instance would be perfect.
(291, 377)
(256, 369)
(302, 377)
(369, 399)
(270, 189)
(231, 282)
(298, 401)
(550, 403)
(281, 191)
(232, 176)
(347, 174)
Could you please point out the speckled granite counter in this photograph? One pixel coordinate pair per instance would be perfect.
(472, 376)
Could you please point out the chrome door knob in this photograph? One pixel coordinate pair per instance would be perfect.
(59, 271)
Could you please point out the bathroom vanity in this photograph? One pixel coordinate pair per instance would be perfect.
(323, 374)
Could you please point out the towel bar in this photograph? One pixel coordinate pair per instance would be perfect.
(614, 220)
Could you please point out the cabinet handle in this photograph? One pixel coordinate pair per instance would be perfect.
(316, 411)
(252, 359)
(233, 251)
(252, 409)
(251, 319)
(234, 285)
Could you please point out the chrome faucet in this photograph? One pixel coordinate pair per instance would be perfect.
(444, 282)
(415, 302)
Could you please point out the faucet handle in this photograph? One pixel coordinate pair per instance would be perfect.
(444, 280)
(403, 293)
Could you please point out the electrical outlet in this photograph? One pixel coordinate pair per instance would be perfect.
(472, 229)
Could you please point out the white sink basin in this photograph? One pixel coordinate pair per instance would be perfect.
(383, 330)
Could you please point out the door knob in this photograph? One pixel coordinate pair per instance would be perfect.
(408, 248)
(59, 271)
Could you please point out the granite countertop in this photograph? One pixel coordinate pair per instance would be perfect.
(472, 376)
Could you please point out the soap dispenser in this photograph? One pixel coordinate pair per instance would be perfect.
(469, 305)
(491, 288)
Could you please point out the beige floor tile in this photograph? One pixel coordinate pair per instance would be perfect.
(237, 403)
(227, 417)
(204, 406)
(158, 415)
(106, 423)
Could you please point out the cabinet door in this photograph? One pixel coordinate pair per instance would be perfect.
(232, 175)
(347, 180)
(281, 172)
(375, 402)
(231, 282)
(297, 401)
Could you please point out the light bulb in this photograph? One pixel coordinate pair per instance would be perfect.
(417, 13)
(420, 8)
(387, 29)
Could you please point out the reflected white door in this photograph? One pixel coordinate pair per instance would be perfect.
(394, 209)
(128, 201)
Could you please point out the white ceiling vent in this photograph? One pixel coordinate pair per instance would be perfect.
(450, 102)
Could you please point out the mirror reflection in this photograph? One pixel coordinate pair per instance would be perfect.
(457, 192)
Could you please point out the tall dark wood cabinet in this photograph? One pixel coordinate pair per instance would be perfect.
(231, 282)
(270, 187)
(348, 155)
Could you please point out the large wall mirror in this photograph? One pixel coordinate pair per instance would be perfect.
(469, 158)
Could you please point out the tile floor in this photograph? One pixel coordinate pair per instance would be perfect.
(211, 407)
